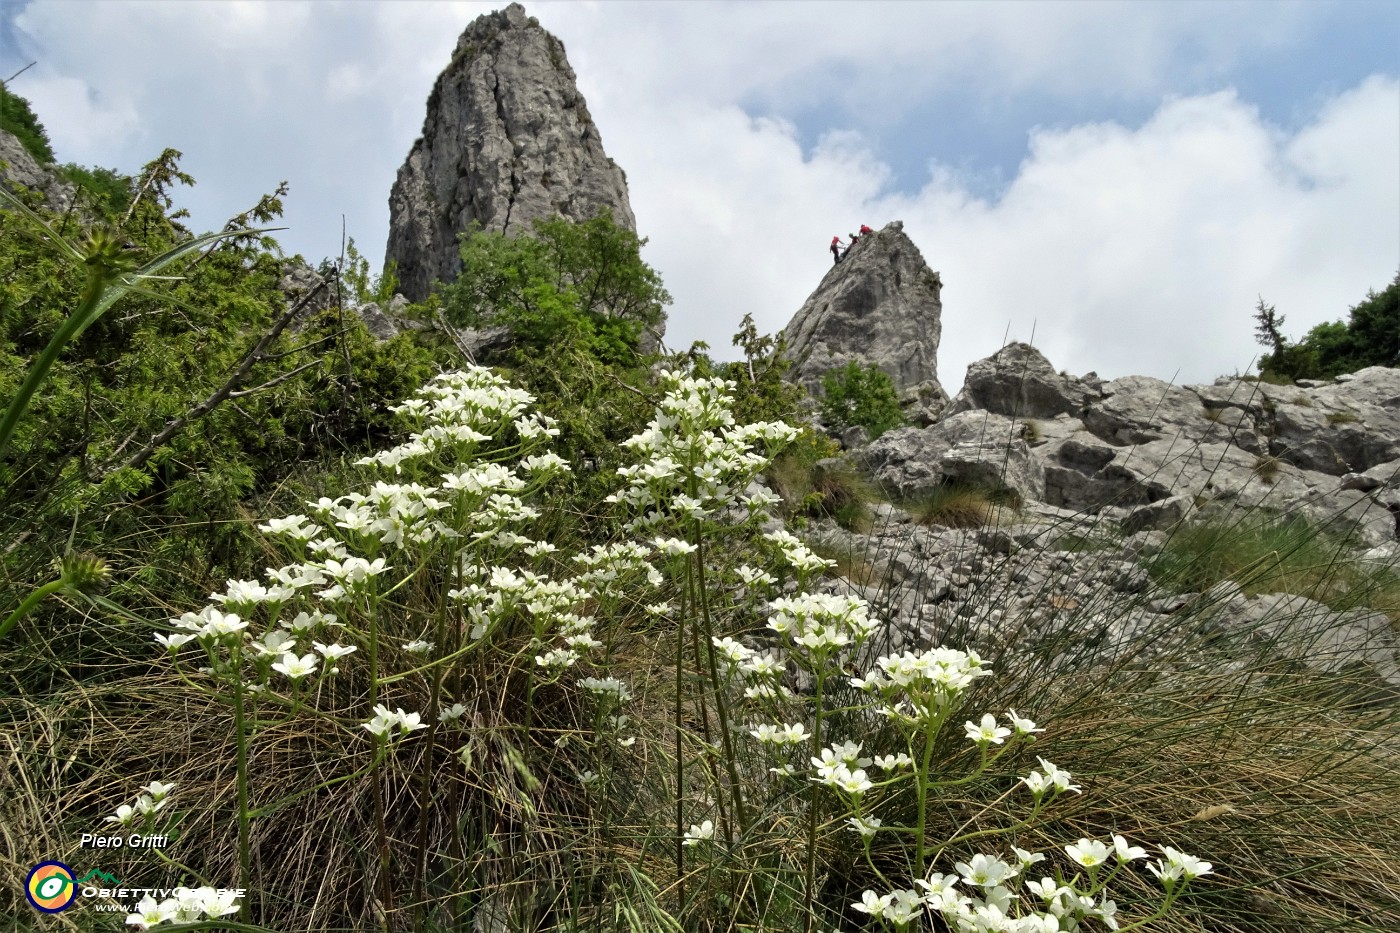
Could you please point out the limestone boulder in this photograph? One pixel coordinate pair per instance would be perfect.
(975, 447)
(1019, 382)
(18, 167)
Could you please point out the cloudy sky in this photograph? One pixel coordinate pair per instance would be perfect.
(1118, 181)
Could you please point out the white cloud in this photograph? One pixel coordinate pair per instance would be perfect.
(92, 122)
(1125, 250)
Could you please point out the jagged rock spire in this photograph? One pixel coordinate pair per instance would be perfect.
(880, 305)
(507, 139)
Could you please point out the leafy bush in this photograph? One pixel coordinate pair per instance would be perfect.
(577, 284)
(107, 191)
(1370, 337)
(860, 395)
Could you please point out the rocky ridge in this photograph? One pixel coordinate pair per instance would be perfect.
(1105, 471)
(507, 139)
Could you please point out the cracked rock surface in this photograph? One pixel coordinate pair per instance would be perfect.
(507, 139)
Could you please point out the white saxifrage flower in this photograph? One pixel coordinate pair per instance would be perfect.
(296, 667)
(699, 833)
(1088, 852)
(986, 732)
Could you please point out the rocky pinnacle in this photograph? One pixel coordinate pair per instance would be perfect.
(880, 305)
(507, 140)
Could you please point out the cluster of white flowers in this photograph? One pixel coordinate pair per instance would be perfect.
(842, 767)
(606, 687)
(456, 411)
(796, 554)
(386, 720)
(915, 687)
(607, 564)
(695, 462)
(156, 795)
(992, 901)
(820, 623)
(186, 906)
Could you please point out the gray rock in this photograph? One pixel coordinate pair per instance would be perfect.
(379, 324)
(1019, 382)
(299, 281)
(973, 447)
(855, 436)
(1307, 631)
(507, 140)
(1138, 409)
(1159, 516)
(879, 306)
(18, 167)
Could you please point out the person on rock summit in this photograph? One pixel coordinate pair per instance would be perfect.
(864, 230)
(836, 252)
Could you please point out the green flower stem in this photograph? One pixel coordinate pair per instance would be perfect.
(721, 705)
(810, 880)
(931, 730)
(28, 605)
(425, 778)
(180, 865)
(680, 756)
(241, 739)
(380, 830)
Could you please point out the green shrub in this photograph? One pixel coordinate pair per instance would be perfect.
(577, 284)
(791, 472)
(106, 190)
(861, 396)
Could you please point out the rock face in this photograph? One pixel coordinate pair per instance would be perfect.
(880, 305)
(19, 167)
(507, 140)
(1150, 454)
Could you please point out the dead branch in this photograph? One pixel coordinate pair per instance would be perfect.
(225, 391)
(454, 336)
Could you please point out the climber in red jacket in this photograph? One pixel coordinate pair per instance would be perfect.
(864, 230)
(835, 250)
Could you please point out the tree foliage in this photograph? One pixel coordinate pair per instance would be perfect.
(1369, 337)
(860, 395)
(582, 285)
(18, 119)
(68, 480)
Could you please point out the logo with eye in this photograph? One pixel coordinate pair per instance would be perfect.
(50, 887)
